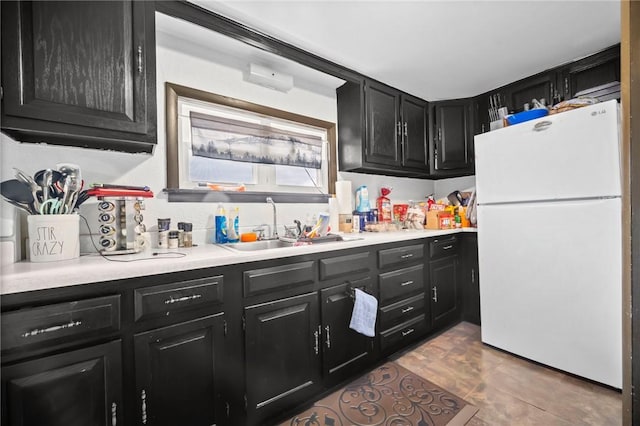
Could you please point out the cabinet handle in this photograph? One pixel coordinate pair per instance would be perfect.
(473, 276)
(171, 300)
(447, 247)
(435, 294)
(399, 128)
(140, 59)
(317, 345)
(566, 86)
(406, 256)
(406, 283)
(143, 397)
(406, 132)
(408, 332)
(407, 309)
(114, 414)
(439, 133)
(51, 329)
(327, 329)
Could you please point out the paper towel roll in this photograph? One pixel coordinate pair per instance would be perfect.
(344, 196)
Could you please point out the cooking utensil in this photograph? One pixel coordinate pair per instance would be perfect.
(31, 184)
(19, 194)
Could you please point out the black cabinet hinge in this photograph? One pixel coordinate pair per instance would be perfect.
(244, 323)
(246, 403)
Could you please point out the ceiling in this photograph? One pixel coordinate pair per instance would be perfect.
(436, 49)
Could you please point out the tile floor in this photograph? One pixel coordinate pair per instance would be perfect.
(509, 390)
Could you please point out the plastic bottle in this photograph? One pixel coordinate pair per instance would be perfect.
(233, 235)
(221, 225)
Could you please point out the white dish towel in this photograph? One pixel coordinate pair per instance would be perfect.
(365, 309)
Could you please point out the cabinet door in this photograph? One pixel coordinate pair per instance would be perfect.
(540, 86)
(282, 344)
(78, 388)
(177, 373)
(453, 141)
(79, 73)
(443, 290)
(469, 284)
(382, 122)
(414, 133)
(344, 350)
(592, 71)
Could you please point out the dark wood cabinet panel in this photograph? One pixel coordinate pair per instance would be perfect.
(469, 279)
(77, 388)
(414, 133)
(452, 140)
(382, 130)
(283, 355)
(80, 73)
(593, 71)
(383, 124)
(344, 350)
(540, 86)
(257, 281)
(443, 290)
(177, 373)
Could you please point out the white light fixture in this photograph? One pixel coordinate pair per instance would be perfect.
(269, 78)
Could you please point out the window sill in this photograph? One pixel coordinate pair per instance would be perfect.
(208, 196)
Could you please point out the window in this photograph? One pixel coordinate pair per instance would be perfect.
(218, 140)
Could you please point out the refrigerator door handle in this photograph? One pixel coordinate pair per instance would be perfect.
(542, 125)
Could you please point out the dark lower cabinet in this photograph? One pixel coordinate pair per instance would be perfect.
(344, 350)
(443, 290)
(178, 373)
(469, 279)
(77, 388)
(283, 355)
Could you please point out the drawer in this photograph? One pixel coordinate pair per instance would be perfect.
(442, 247)
(162, 300)
(73, 319)
(400, 255)
(401, 283)
(264, 280)
(401, 334)
(343, 265)
(401, 311)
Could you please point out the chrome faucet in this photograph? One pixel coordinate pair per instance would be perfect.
(274, 231)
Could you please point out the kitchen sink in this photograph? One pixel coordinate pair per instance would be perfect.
(259, 245)
(272, 244)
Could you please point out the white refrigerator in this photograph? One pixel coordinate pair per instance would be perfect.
(550, 241)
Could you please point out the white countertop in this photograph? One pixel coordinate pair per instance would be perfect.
(27, 276)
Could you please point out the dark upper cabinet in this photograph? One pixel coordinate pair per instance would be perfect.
(382, 106)
(592, 71)
(452, 141)
(178, 373)
(381, 130)
(540, 86)
(77, 388)
(80, 73)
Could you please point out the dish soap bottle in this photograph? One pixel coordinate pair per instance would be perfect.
(234, 226)
(221, 225)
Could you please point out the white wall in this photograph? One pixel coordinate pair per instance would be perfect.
(188, 64)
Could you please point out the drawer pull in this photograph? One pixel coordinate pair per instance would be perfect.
(171, 300)
(406, 283)
(38, 331)
(114, 414)
(447, 247)
(435, 294)
(143, 397)
(408, 332)
(408, 309)
(406, 256)
(328, 329)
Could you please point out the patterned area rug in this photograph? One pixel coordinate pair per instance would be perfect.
(390, 395)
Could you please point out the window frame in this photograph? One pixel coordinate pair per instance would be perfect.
(176, 194)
